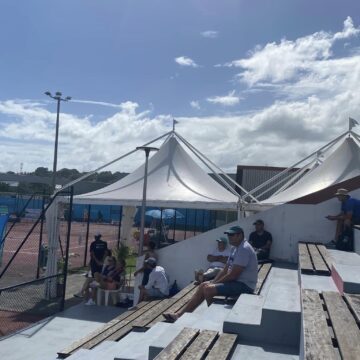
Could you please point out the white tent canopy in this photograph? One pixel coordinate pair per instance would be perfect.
(343, 164)
(174, 180)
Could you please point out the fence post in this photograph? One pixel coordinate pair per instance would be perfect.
(87, 235)
(67, 248)
(119, 229)
(40, 237)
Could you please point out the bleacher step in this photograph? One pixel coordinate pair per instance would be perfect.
(264, 352)
(346, 271)
(254, 317)
(81, 354)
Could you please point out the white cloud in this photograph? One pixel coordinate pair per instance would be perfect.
(195, 104)
(186, 61)
(290, 60)
(228, 100)
(92, 102)
(210, 34)
(312, 106)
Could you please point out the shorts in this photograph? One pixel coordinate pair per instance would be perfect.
(233, 288)
(156, 293)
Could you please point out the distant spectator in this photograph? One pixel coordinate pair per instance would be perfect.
(97, 254)
(158, 284)
(349, 216)
(261, 240)
(218, 258)
(89, 279)
(150, 253)
(111, 278)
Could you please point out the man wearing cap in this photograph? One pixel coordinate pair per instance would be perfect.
(97, 253)
(238, 276)
(217, 260)
(349, 215)
(158, 284)
(261, 240)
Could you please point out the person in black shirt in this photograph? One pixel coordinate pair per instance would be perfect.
(261, 240)
(97, 254)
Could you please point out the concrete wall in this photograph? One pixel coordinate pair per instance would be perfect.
(288, 223)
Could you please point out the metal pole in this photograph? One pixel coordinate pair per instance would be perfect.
(185, 225)
(143, 203)
(53, 181)
(67, 247)
(143, 206)
(195, 222)
(119, 229)
(174, 226)
(87, 235)
(41, 236)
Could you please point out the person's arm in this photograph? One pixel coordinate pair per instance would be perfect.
(232, 275)
(220, 274)
(151, 281)
(267, 246)
(212, 258)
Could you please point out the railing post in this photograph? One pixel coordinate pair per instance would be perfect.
(67, 248)
(87, 235)
(41, 236)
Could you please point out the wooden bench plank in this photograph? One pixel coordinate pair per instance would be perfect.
(175, 307)
(346, 330)
(178, 346)
(79, 343)
(153, 313)
(106, 334)
(262, 275)
(223, 347)
(304, 259)
(184, 291)
(319, 264)
(119, 334)
(325, 254)
(317, 339)
(200, 346)
(354, 303)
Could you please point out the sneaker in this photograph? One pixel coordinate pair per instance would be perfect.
(79, 295)
(90, 302)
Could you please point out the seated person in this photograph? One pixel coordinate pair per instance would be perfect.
(217, 259)
(261, 240)
(239, 275)
(158, 284)
(151, 253)
(111, 278)
(89, 276)
(349, 216)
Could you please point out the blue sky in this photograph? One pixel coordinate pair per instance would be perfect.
(204, 62)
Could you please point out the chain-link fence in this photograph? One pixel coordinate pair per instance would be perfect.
(23, 304)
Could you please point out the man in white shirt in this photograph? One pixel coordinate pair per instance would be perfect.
(158, 284)
(217, 260)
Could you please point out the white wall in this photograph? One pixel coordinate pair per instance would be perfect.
(289, 224)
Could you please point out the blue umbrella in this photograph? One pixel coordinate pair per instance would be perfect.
(165, 214)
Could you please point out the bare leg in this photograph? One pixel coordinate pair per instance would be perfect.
(209, 293)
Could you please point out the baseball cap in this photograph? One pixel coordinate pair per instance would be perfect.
(234, 230)
(150, 261)
(342, 192)
(259, 221)
(222, 239)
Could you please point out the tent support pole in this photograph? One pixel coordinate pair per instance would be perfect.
(328, 145)
(110, 163)
(199, 155)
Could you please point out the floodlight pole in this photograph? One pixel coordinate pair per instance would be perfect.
(147, 150)
(58, 97)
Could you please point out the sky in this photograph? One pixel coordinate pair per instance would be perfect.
(250, 82)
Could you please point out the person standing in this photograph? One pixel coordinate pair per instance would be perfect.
(97, 253)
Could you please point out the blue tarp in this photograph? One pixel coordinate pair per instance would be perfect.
(3, 222)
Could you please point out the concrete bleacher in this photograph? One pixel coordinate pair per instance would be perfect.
(253, 317)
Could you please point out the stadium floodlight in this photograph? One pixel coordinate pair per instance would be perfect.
(58, 98)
